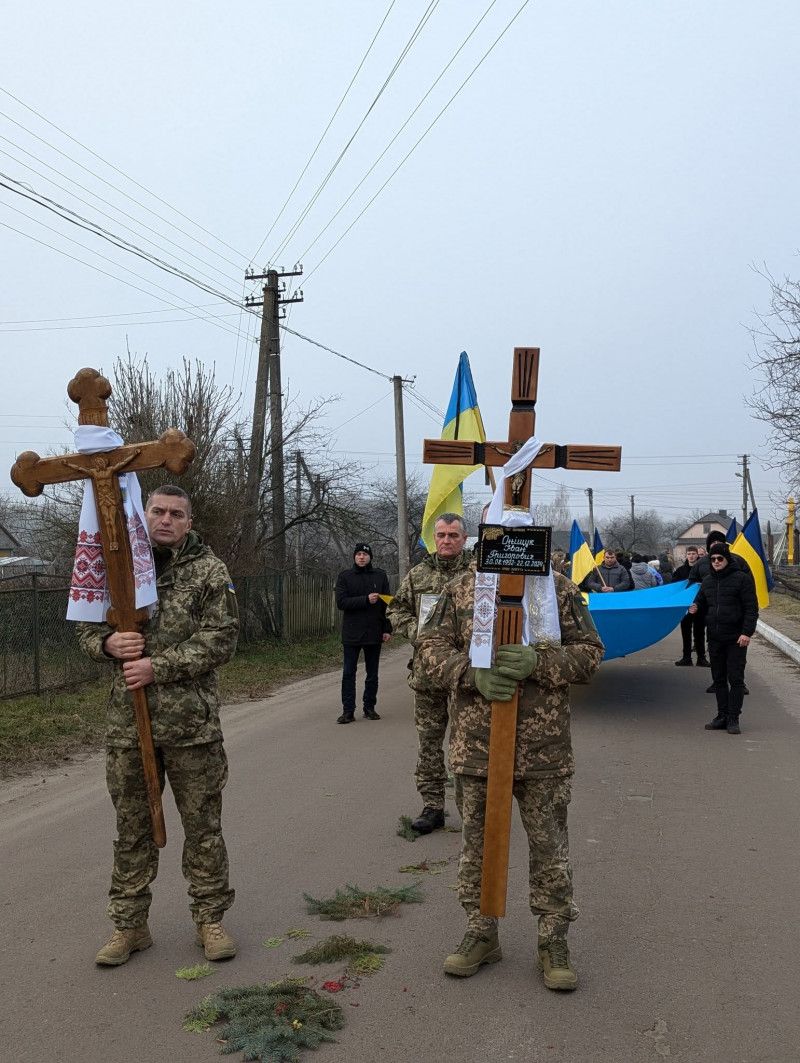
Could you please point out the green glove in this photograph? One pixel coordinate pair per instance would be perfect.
(515, 662)
(493, 686)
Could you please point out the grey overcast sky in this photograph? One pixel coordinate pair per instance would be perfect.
(605, 185)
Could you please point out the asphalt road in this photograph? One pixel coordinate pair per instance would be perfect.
(685, 848)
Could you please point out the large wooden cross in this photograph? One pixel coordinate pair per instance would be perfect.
(508, 626)
(31, 474)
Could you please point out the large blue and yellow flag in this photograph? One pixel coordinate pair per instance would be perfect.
(599, 549)
(581, 561)
(750, 548)
(462, 421)
(732, 532)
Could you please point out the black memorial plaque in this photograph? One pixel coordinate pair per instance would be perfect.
(514, 551)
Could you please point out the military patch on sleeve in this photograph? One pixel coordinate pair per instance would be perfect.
(581, 615)
(231, 601)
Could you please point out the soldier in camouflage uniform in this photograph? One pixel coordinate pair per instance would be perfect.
(430, 706)
(193, 631)
(543, 765)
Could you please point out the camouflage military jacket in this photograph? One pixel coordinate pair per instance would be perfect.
(544, 745)
(193, 631)
(428, 577)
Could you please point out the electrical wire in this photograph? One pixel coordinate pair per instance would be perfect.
(213, 320)
(406, 49)
(416, 145)
(105, 214)
(98, 230)
(325, 131)
(110, 185)
(337, 353)
(400, 130)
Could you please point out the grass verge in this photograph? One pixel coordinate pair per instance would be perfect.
(37, 731)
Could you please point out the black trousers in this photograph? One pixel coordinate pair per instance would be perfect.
(728, 661)
(372, 656)
(693, 625)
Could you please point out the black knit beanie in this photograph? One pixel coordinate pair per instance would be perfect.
(362, 546)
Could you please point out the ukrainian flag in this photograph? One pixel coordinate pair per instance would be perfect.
(599, 549)
(581, 562)
(749, 547)
(462, 421)
(732, 532)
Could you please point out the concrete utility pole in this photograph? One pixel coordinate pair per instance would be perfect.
(744, 475)
(298, 504)
(268, 380)
(402, 496)
(633, 514)
(590, 494)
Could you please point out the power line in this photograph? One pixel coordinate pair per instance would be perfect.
(121, 280)
(406, 49)
(416, 145)
(402, 127)
(98, 230)
(100, 199)
(127, 178)
(327, 127)
(338, 354)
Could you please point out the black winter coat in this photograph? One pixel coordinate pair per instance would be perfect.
(362, 624)
(728, 603)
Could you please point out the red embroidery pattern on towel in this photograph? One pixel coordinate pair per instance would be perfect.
(89, 570)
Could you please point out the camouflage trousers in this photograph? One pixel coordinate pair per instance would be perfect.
(197, 775)
(430, 719)
(542, 806)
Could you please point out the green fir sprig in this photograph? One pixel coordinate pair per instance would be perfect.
(355, 903)
(271, 1022)
(338, 947)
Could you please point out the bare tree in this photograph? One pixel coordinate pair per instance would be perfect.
(143, 406)
(644, 532)
(776, 357)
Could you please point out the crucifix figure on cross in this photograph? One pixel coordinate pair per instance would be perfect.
(31, 474)
(507, 651)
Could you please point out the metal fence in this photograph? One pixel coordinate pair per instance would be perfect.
(38, 647)
(39, 650)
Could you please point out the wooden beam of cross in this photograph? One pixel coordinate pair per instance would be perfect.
(508, 625)
(172, 451)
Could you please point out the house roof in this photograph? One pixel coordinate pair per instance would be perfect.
(7, 540)
(723, 519)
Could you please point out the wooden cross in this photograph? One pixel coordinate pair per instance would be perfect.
(508, 626)
(31, 474)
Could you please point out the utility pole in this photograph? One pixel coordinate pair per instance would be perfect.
(590, 493)
(268, 380)
(298, 504)
(402, 497)
(633, 514)
(744, 488)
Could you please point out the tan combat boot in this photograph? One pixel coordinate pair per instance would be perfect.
(215, 941)
(122, 943)
(475, 950)
(555, 964)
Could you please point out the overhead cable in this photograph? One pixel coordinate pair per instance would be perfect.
(416, 145)
(327, 127)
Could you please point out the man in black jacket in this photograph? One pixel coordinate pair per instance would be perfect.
(692, 624)
(364, 627)
(728, 603)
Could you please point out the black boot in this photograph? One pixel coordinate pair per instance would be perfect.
(703, 662)
(712, 689)
(370, 714)
(346, 717)
(684, 662)
(733, 725)
(430, 819)
(719, 723)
